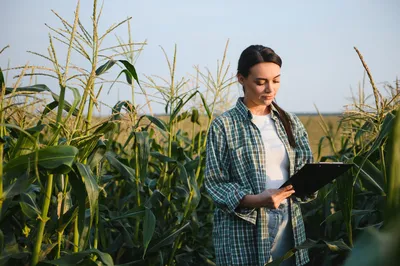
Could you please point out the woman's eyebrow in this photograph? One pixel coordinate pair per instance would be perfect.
(267, 79)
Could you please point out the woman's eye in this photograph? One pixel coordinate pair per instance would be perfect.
(260, 83)
(276, 81)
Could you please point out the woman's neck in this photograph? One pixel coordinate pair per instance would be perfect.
(256, 109)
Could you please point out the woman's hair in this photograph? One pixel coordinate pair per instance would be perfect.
(255, 54)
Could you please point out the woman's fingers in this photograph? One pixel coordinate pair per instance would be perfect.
(289, 187)
(285, 193)
(274, 197)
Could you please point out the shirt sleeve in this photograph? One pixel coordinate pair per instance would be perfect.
(303, 154)
(225, 192)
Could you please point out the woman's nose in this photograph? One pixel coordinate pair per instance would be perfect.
(267, 87)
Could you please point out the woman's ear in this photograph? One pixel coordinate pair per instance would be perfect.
(240, 78)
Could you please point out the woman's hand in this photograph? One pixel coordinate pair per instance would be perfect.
(272, 198)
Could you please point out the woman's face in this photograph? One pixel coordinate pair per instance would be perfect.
(262, 84)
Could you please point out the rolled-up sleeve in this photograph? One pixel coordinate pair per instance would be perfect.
(225, 192)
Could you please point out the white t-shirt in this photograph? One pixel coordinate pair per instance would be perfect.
(276, 157)
(277, 170)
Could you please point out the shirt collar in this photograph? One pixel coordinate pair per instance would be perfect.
(245, 112)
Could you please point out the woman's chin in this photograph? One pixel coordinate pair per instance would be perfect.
(267, 102)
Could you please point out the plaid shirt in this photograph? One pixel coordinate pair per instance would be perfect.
(235, 167)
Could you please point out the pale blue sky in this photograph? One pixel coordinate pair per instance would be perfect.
(314, 38)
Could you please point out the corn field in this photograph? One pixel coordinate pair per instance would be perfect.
(128, 189)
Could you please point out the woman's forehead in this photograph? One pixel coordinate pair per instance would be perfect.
(265, 70)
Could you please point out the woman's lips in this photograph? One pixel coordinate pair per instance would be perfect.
(267, 97)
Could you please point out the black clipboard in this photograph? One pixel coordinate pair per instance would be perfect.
(313, 176)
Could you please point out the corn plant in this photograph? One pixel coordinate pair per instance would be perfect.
(355, 202)
(70, 193)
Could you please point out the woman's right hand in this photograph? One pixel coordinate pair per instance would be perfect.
(272, 198)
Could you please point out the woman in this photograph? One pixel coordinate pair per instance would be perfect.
(252, 150)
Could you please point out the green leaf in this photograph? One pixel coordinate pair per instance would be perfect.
(366, 127)
(372, 176)
(47, 109)
(128, 76)
(138, 212)
(18, 255)
(181, 104)
(56, 159)
(131, 69)
(163, 158)
(79, 190)
(155, 199)
(1, 233)
(334, 246)
(128, 79)
(77, 100)
(149, 225)
(125, 171)
(24, 143)
(116, 110)
(320, 144)
(107, 126)
(2, 81)
(206, 107)
(376, 248)
(167, 239)
(158, 122)
(67, 106)
(74, 258)
(386, 128)
(126, 235)
(97, 154)
(92, 188)
(143, 143)
(29, 207)
(15, 131)
(19, 186)
(102, 69)
(338, 216)
(392, 210)
(67, 218)
(86, 144)
(344, 185)
(31, 89)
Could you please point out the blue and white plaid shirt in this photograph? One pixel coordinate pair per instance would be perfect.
(235, 167)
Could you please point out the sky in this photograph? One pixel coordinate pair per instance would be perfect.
(315, 40)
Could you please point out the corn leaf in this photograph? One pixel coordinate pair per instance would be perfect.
(75, 258)
(143, 143)
(105, 67)
(376, 248)
(92, 189)
(56, 159)
(158, 122)
(149, 225)
(29, 207)
(125, 171)
(19, 186)
(371, 176)
(392, 211)
(167, 239)
(97, 154)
